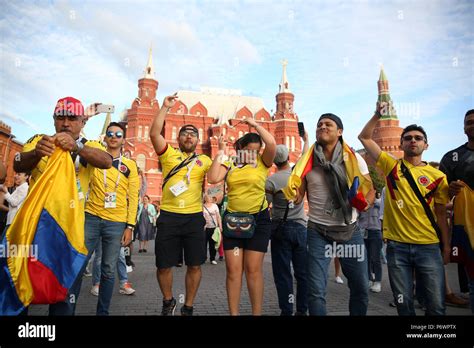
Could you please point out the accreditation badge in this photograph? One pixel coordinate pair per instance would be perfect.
(110, 200)
(179, 188)
(79, 190)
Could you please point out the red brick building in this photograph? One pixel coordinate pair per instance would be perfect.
(8, 148)
(213, 111)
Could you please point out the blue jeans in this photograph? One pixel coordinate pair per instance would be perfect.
(109, 233)
(426, 261)
(290, 248)
(373, 244)
(352, 255)
(121, 266)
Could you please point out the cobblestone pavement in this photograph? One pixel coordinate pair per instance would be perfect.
(212, 300)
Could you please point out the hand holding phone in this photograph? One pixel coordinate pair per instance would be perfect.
(301, 129)
(103, 108)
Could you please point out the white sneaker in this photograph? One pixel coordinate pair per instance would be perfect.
(214, 262)
(95, 290)
(126, 289)
(376, 287)
(339, 280)
(371, 283)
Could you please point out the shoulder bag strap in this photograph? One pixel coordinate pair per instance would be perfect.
(177, 168)
(407, 174)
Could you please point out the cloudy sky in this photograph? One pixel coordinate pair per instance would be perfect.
(97, 50)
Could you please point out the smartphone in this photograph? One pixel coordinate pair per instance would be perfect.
(301, 129)
(103, 108)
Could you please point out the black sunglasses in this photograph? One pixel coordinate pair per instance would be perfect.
(110, 134)
(417, 137)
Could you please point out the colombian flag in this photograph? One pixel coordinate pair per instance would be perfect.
(49, 230)
(358, 184)
(463, 230)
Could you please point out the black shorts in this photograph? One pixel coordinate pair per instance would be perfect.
(260, 239)
(176, 232)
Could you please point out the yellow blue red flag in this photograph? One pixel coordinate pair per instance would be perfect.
(43, 250)
(357, 183)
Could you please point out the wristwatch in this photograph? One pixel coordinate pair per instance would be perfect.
(131, 227)
(79, 145)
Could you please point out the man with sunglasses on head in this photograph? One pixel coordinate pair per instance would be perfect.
(69, 119)
(413, 239)
(181, 221)
(111, 213)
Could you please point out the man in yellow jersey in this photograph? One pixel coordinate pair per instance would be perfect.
(111, 211)
(412, 240)
(181, 221)
(69, 119)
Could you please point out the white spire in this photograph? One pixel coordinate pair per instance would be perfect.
(284, 85)
(150, 70)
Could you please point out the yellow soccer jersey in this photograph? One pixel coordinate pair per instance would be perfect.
(125, 172)
(83, 169)
(405, 219)
(190, 200)
(247, 187)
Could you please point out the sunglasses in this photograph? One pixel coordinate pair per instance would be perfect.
(110, 134)
(191, 133)
(417, 137)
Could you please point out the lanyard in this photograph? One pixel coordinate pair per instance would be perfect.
(190, 168)
(76, 164)
(118, 176)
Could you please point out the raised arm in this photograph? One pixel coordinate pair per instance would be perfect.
(270, 143)
(217, 171)
(305, 143)
(365, 136)
(159, 143)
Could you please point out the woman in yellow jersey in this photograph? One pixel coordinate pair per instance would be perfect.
(245, 177)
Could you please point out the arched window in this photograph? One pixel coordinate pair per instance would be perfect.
(173, 133)
(146, 133)
(293, 143)
(141, 162)
(287, 141)
(139, 135)
(201, 133)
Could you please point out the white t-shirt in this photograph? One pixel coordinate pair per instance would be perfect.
(318, 192)
(15, 200)
(207, 212)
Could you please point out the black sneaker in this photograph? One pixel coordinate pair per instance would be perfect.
(169, 307)
(186, 311)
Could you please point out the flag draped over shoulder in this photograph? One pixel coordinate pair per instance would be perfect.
(44, 246)
(463, 230)
(356, 181)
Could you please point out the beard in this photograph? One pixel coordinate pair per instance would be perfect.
(187, 147)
